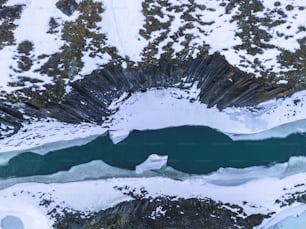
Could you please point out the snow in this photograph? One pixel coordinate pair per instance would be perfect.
(26, 210)
(295, 18)
(288, 41)
(153, 162)
(32, 26)
(121, 22)
(46, 135)
(275, 118)
(92, 63)
(159, 114)
(22, 200)
(6, 60)
(11, 222)
(290, 218)
(297, 222)
(221, 34)
(35, 17)
(157, 213)
(282, 82)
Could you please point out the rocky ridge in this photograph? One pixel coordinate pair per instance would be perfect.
(164, 212)
(218, 82)
(85, 71)
(83, 41)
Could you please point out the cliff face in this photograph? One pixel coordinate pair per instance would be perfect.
(74, 57)
(43, 53)
(219, 84)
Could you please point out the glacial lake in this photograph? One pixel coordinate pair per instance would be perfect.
(190, 149)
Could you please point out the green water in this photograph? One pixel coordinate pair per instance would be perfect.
(190, 149)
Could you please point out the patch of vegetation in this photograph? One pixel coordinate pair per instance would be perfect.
(7, 35)
(82, 36)
(254, 39)
(2, 2)
(297, 60)
(53, 26)
(24, 58)
(8, 15)
(158, 32)
(65, 65)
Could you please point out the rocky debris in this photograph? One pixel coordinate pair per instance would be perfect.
(290, 198)
(13, 116)
(8, 12)
(165, 212)
(10, 120)
(24, 57)
(67, 6)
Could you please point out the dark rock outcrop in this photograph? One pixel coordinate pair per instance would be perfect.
(9, 12)
(12, 117)
(67, 6)
(220, 85)
(162, 212)
(10, 120)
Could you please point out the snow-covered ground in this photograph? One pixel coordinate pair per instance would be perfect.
(257, 195)
(121, 23)
(32, 26)
(182, 25)
(46, 135)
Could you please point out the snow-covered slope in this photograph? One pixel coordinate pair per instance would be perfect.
(43, 46)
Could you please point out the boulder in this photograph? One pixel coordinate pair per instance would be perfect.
(67, 6)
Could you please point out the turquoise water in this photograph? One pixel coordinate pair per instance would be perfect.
(190, 149)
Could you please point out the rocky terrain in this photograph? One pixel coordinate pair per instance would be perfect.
(79, 70)
(71, 60)
(164, 212)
